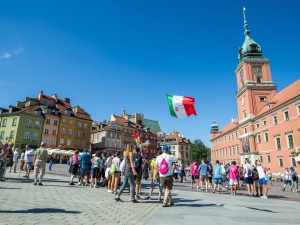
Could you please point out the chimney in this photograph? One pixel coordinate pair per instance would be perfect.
(40, 95)
(123, 113)
(67, 100)
(232, 119)
(55, 97)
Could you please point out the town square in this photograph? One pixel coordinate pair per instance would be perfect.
(161, 112)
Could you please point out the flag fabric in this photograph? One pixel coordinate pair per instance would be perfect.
(181, 106)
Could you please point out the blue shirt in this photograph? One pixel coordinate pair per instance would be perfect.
(217, 171)
(85, 159)
(203, 168)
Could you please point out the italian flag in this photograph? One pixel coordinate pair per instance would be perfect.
(181, 106)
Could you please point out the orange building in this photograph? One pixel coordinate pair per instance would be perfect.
(268, 123)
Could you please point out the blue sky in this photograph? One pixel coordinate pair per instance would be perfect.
(107, 55)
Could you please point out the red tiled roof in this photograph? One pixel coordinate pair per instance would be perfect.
(228, 127)
(28, 110)
(175, 135)
(283, 96)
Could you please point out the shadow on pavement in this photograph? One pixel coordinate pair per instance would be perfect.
(41, 210)
(9, 188)
(263, 210)
(198, 205)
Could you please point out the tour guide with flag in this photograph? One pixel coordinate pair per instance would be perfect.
(181, 106)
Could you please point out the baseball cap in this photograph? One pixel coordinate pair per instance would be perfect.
(291, 168)
(165, 148)
(85, 150)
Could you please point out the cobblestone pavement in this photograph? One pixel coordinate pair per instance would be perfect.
(58, 203)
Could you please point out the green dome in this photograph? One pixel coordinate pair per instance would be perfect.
(250, 48)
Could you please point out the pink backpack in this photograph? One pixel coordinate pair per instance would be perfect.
(163, 167)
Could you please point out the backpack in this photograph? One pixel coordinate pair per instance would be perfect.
(122, 166)
(163, 167)
(294, 177)
(249, 172)
(137, 161)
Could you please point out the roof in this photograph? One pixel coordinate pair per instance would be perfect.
(177, 138)
(281, 97)
(152, 124)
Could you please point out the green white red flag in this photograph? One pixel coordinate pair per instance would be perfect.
(181, 106)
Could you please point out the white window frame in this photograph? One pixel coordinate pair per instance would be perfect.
(14, 123)
(68, 142)
(12, 134)
(46, 140)
(278, 160)
(287, 140)
(46, 131)
(71, 122)
(84, 134)
(54, 132)
(275, 122)
(78, 133)
(2, 134)
(63, 131)
(83, 144)
(27, 136)
(78, 124)
(268, 156)
(62, 141)
(53, 142)
(284, 115)
(37, 124)
(276, 144)
(266, 134)
(258, 139)
(70, 132)
(48, 121)
(293, 161)
(28, 123)
(64, 120)
(85, 126)
(35, 136)
(55, 122)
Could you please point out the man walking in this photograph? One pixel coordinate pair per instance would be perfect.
(248, 173)
(15, 160)
(29, 156)
(137, 162)
(40, 159)
(195, 174)
(217, 173)
(164, 167)
(233, 177)
(203, 170)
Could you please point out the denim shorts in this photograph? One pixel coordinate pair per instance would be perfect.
(218, 181)
(152, 185)
(287, 182)
(248, 180)
(85, 170)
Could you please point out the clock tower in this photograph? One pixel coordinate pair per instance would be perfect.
(254, 80)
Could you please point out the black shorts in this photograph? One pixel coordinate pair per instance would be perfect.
(102, 172)
(74, 169)
(195, 178)
(96, 171)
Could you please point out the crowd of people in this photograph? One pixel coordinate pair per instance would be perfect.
(105, 170)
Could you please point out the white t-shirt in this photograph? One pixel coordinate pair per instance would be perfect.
(27, 157)
(247, 167)
(117, 161)
(109, 161)
(16, 155)
(287, 175)
(170, 159)
(261, 172)
(22, 155)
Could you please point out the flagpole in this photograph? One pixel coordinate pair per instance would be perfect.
(173, 123)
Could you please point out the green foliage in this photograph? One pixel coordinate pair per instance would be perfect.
(198, 151)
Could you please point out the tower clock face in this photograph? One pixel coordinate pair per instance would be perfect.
(257, 70)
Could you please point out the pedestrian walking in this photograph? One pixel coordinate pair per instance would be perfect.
(15, 160)
(294, 176)
(96, 169)
(262, 178)
(164, 166)
(29, 157)
(195, 174)
(22, 160)
(74, 166)
(248, 173)
(51, 161)
(217, 174)
(203, 170)
(40, 159)
(287, 179)
(129, 173)
(233, 177)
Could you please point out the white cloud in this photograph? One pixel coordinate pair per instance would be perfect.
(9, 54)
(5, 55)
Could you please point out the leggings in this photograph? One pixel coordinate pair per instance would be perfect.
(128, 179)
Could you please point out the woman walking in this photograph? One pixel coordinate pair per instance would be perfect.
(117, 175)
(96, 169)
(129, 173)
(74, 160)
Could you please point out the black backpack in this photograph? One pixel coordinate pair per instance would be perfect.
(294, 177)
(137, 161)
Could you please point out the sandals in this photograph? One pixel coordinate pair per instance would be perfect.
(165, 204)
(172, 203)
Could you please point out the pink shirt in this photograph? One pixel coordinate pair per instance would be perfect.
(75, 159)
(194, 169)
(233, 172)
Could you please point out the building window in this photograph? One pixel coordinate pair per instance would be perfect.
(258, 139)
(268, 158)
(54, 132)
(266, 136)
(293, 161)
(55, 122)
(186, 154)
(237, 149)
(286, 115)
(290, 140)
(68, 142)
(83, 144)
(264, 122)
(275, 120)
(77, 143)
(278, 143)
(71, 122)
(298, 110)
(14, 122)
(181, 147)
(29, 123)
(34, 136)
(280, 161)
(70, 132)
(244, 113)
(45, 140)
(85, 126)
(53, 142)
(262, 99)
(79, 125)
(236, 135)
(47, 121)
(2, 135)
(12, 134)
(61, 141)
(46, 131)
(27, 136)
(257, 125)
(84, 134)
(245, 130)
(63, 130)
(37, 124)
(261, 158)
(64, 121)
(78, 134)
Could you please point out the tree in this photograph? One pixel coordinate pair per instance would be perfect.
(198, 151)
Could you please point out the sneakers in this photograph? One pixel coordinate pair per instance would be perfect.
(117, 199)
(110, 191)
(192, 187)
(71, 183)
(202, 189)
(283, 189)
(138, 197)
(214, 191)
(40, 183)
(134, 201)
(34, 183)
(79, 183)
(231, 193)
(264, 197)
(197, 187)
(256, 195)
(234, 193)
(147, 198)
